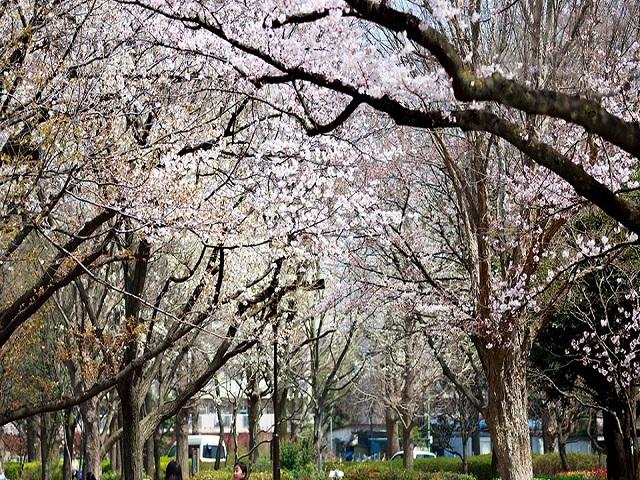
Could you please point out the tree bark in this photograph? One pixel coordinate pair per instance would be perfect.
(114, 452)
(549, 429)
(507, 412)
(621, 464)
(91, 423)
(131, 398)
(475, 437)
(69, 436)
(391, 422)
(45, 447)
(253, 406)
(156, 455)
(464, 436)
(132, 439)
(33, 442)
(182, 441)
(148, 458)
(317, 434)
(407, 446)
(564, 461)
(149, 448)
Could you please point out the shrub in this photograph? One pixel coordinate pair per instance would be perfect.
(549, 463)
(294, 455)
(12, 470)
(595, 474)
(395, 471)
(33, 471)
(544, 466)
(262, 465)
(226, 475)
(352, 471)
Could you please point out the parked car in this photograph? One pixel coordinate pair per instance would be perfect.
(417, 453)
(207, 446)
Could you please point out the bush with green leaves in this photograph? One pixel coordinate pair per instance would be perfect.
(31, 471)
(12, 470)
(226, 475)
(294, 455)
(263, 464)
(549, 463)
(479, 466)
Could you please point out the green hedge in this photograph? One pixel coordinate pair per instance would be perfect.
(549, 464)
(479, 466)
(226, 475)
(30, 471)
(544, 466)
(362, 472)
(395, 471)
(12, 470)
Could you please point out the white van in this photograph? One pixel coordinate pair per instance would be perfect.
(417, 453)
(207, 448)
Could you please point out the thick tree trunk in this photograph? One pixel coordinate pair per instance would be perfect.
(68, 454)
(564, 461)
(114, 452)
(621, 464)
(149, 449)
(465, 452)
(549, 429)
(317, 435)
(157, 470)
(407, 446)
(182, 441)
(391, 422)
(132, 441)
(216, 465)
(33, 441)
(254, 419)
(148, 458)
(45, 447)
(131, 398)
(475, 437)
(507, 412)
(92, 439)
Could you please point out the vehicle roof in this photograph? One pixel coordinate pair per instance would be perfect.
(210, 439)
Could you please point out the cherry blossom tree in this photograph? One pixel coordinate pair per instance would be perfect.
(436, 77)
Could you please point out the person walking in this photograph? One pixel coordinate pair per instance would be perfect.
(173, 472)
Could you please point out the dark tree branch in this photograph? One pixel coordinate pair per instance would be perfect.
(467, 87)
(52, 279)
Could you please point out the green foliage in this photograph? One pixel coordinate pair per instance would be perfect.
(479, 467)
(262, 465)
(33, 471)
(295, 455)
(395, 471)
(12, 470)
(226, 475)
(307, 472)
(549, 464)
(164, 461)
(595, 474)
